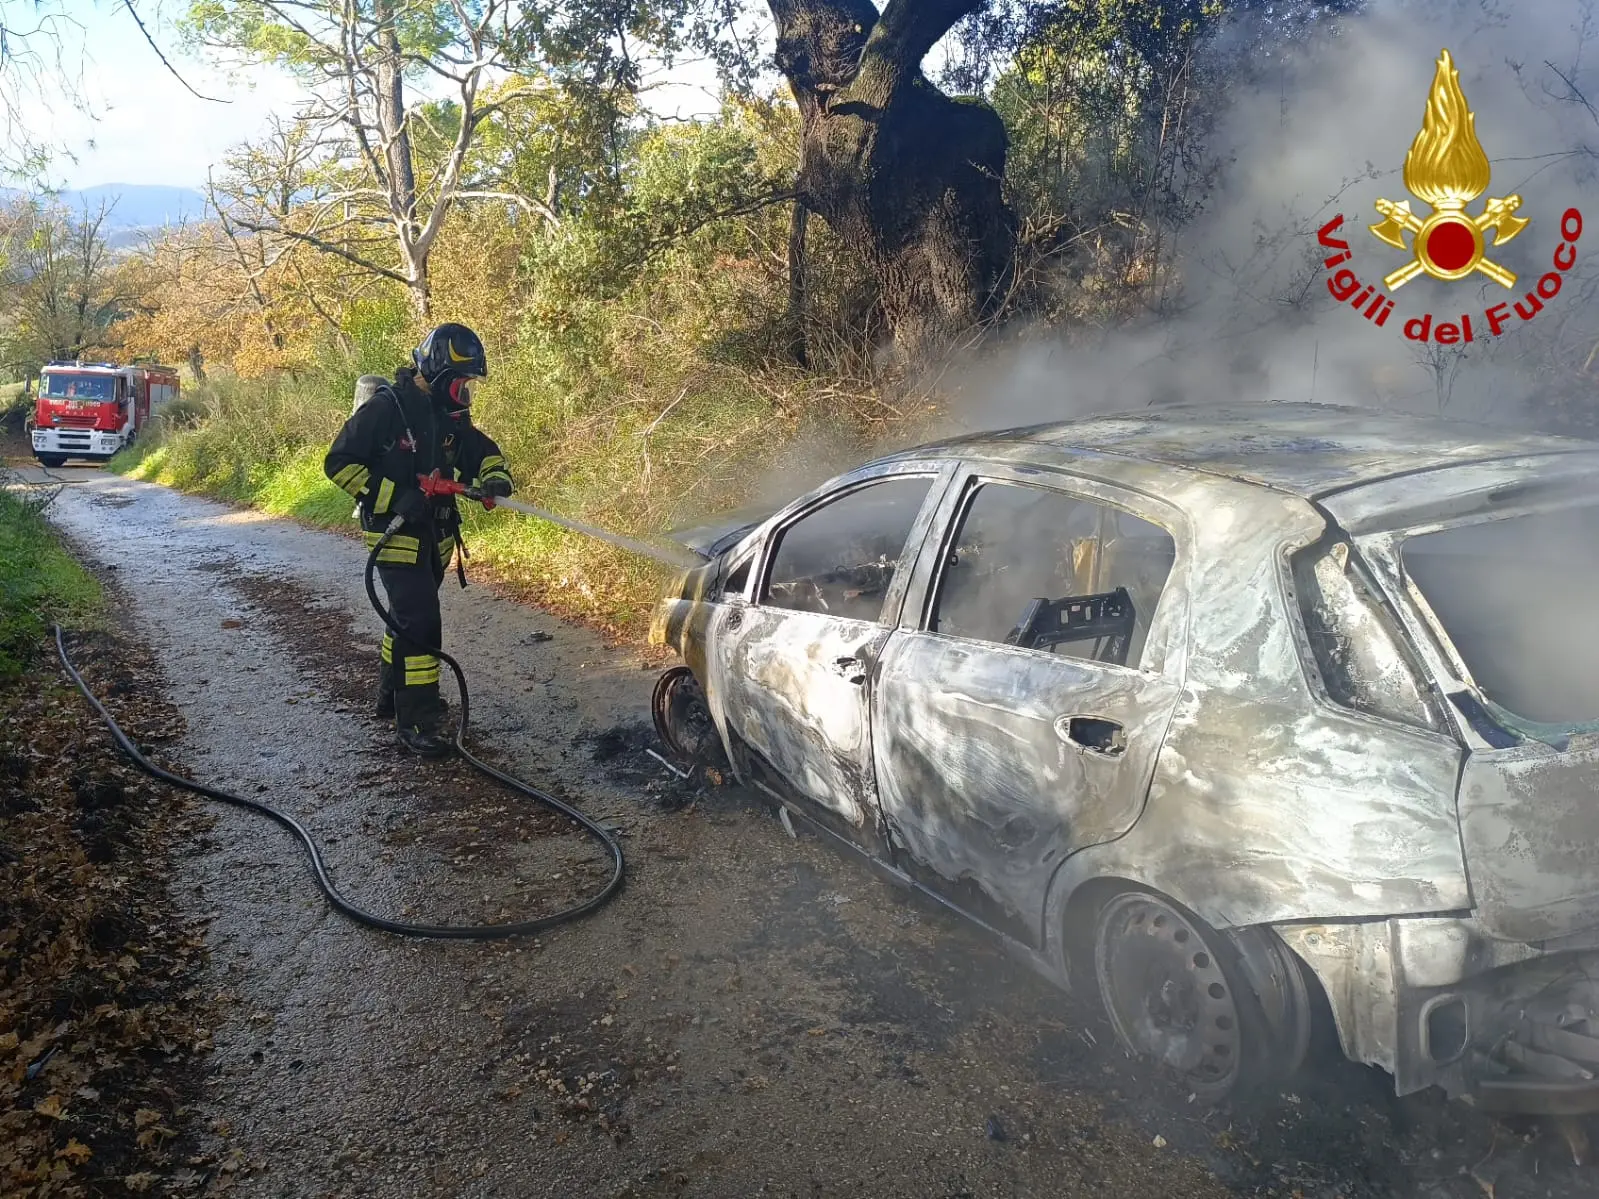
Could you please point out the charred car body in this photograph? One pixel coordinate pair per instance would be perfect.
(1204, 711)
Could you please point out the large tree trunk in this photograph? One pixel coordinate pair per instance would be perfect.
(908, 177)
(794, 317)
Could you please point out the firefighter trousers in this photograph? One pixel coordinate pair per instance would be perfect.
(409, 668)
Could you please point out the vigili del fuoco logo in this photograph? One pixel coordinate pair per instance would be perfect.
(1446, 170)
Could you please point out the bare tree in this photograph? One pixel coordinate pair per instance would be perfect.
(398, 97)
(38, 67)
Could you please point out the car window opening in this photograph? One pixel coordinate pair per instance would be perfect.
(841, 559)
(739, 579)
(1046, 571)
(1362, 659)
(1515, 597)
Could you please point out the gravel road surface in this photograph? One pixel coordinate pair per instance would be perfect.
(753, 1015)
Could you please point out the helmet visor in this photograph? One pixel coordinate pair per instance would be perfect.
(459, 391)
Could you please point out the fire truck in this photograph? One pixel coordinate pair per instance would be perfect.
(93, 409)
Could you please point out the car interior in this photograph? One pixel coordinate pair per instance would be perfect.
(1043, 570)
(1029, 567)
(841, 558)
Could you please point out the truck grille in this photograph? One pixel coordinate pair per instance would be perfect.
(73, 439)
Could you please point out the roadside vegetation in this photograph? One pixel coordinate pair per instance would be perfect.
(15, 403)
(40, 583)
(97, 1026)
(678, 324)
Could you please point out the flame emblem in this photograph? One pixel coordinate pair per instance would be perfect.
(1447, 169)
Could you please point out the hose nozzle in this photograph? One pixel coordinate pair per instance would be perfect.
(436, 484)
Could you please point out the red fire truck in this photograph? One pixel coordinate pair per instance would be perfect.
(93, 409)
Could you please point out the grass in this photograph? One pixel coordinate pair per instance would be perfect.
(669, 444)
(40, 583)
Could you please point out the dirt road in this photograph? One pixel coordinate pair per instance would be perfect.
(754, 1015)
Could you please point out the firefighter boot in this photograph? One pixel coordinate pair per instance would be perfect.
(419, 721)
(383, 709)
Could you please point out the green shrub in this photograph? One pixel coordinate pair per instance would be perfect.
(40, 582)
(183, 413)
(16, 405)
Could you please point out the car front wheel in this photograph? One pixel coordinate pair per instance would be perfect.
(52, 460)
(1173, 992)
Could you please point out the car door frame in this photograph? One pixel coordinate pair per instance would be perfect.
(1166, 654)
(1163, 657)
(740, 607)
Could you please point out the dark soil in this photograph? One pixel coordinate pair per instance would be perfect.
(101, 1030)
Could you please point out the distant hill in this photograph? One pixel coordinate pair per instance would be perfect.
(140, 205)
(137, 208)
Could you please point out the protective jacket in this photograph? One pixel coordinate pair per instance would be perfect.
(400, 433)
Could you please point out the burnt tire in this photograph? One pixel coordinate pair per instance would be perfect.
(1174, 992)
(682, 719)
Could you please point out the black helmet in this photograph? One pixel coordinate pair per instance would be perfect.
(448, 353)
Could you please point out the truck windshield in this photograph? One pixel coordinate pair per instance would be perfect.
(78, 387)
(1516, 597)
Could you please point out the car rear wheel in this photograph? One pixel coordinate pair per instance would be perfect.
(1172, 992)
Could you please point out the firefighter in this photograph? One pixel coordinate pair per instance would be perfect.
(419, 423)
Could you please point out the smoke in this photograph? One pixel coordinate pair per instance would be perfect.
(1306, 132)
(1513, 595)
(1304, 126)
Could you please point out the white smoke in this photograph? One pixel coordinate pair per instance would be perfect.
(1323, 129)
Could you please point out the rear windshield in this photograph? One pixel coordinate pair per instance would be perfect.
(78, 387)
(1519, 599)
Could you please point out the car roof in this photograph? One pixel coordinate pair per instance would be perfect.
(1309, 450)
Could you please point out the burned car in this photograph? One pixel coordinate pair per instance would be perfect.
(1214, 714)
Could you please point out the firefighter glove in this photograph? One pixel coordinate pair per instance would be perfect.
(496, 485)
(412, 506)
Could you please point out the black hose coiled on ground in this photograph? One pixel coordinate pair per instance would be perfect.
(319, 870)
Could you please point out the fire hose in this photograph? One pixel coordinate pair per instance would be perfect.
(432, 485)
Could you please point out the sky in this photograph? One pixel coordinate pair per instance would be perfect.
(141, 125)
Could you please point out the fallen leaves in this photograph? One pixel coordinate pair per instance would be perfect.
(95, 1017)
(152, 1137)
(76, 1152)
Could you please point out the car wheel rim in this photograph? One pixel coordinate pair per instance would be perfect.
(682, 719)
(1165, 992)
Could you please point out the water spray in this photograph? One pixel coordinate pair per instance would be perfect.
(679, 557)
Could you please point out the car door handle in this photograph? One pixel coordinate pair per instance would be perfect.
(1092, 735)
(853, 669)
